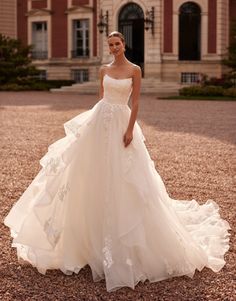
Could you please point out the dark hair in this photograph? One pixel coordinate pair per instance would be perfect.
(117, 34)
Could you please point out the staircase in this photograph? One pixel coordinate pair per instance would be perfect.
(149, 86)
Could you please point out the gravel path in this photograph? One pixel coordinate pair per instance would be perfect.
(193, 146)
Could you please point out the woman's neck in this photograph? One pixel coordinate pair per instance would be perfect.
(119, 60)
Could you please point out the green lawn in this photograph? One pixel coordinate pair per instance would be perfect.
(224, 98)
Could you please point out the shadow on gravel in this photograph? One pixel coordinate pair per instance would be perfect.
(53, 100)
(214, 119)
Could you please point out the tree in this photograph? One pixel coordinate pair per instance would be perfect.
(15, 61)
(230, 61)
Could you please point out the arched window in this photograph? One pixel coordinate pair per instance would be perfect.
(190, 32)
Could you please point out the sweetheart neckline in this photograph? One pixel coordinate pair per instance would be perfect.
(117, 78)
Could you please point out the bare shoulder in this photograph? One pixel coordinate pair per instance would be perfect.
(136, 70)
(102, 70)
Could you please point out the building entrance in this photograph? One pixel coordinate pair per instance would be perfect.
(131, 24)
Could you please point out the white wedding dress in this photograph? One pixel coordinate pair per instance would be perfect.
(96, 202)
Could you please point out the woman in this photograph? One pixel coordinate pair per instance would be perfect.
(121, 68)
(98, 199)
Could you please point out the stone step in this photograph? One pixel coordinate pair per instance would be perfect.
(149, 86)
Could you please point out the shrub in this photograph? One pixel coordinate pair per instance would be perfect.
(16, 71)
(26, 84)
(54, 83)
(40, 86)
(13, 87)
(231, 92)
(212, 91)
(230, 61)
(191, 91)
(15, 61)
(202, 91)
(225, 81)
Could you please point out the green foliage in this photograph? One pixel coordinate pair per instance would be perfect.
(212, 91)
(12, 87)
(15, 61)
(230, 61)
(16, 71)
(27, 84)
(231, 92)
(56, 83)
(191, 91)
(207, 91)
(226, 81)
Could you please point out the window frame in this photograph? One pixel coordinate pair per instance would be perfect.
(83, 29)
(39, 51)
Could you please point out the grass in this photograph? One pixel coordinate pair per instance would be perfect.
(224, 98)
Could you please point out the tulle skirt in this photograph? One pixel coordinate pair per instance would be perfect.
(96, 202)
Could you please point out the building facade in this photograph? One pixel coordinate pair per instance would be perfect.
(8, 18)
(172, 40)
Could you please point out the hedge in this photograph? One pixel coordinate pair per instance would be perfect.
(207, 91)
(35, 85)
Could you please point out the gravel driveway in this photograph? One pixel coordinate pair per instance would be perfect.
(193, 146)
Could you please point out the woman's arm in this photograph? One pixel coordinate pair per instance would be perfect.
(128, 136)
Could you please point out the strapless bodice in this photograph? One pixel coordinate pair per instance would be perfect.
(117, 91)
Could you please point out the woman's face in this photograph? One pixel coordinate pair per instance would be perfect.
(116, 46)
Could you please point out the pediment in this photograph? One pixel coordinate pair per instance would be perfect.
(79, 9)
(39, 12)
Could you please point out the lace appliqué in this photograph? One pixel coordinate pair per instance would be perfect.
(62, 192)
(177, 269)
(53, 166)
(73, 127)
(107, 110)
(53, 234)
(128, 158)
(108, 261)
(53, 225)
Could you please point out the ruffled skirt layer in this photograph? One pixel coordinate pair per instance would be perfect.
(96, 202)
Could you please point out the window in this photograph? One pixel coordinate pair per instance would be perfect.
(80, 38)
(80, 75)
(41, 76)
(39, 40)
(190, 32)
(190, 77)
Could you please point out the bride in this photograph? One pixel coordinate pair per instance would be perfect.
(99, 201)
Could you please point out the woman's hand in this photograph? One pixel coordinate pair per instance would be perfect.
(128, 137)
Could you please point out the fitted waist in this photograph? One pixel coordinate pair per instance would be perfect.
(114, 101)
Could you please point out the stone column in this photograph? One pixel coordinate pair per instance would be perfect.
(153, 43)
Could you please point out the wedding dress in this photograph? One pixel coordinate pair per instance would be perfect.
(96, 202)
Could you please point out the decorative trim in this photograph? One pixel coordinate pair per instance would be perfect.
(39, 12)
(79, 9)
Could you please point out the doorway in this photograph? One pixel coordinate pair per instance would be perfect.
(190, 32)
(131, 24)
